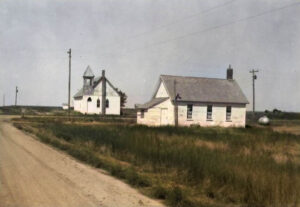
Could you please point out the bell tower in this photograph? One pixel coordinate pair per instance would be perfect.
(88, 79)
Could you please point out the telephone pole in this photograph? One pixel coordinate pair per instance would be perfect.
(16, 98)
(69, 85)
(175, 104)
(254, 77)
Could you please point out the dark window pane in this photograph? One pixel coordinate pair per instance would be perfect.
(189, 111)
(142, 113)
(228, 113)
(98, 103)
(209, 112)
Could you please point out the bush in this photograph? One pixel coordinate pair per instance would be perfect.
(159, 192)
(135, 179)
(175, 196)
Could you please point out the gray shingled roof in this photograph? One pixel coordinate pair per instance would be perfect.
(207, 90)
(88, 72)
(151, 103)
(79, 94)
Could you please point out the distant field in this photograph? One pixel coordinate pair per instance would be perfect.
(185, 166)
(58, 111)
(31, 110)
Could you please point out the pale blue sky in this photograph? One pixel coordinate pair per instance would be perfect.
(137, 40)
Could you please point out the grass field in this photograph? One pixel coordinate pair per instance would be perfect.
(193, 166)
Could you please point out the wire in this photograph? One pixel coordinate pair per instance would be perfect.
(212, 28)
(175, 22)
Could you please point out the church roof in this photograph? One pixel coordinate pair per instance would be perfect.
(79, 94)
(88, 73)
(96, 81)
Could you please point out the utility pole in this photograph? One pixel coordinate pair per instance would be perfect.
(69, 85)
(175, 104)
(16, 98)
(254, 77)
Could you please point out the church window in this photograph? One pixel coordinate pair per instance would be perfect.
(98, 103)
(107, 103)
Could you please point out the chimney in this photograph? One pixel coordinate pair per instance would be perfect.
(103, 93)
(229, 73)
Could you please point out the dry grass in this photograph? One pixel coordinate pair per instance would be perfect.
(211, 145)
(287, 129)
(187, 166)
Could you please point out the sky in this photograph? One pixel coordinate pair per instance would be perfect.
(135, 41)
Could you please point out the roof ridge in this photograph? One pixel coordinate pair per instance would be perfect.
(178, 76)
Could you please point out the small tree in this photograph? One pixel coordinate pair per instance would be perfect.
(123, 98)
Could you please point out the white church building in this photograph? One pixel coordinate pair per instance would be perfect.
(97, 96)
(185, 101)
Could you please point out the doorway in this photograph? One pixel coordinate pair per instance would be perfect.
(89, 105)
(164, 117)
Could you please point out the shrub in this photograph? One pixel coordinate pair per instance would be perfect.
(159, 192)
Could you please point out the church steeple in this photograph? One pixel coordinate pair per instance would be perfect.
(88, 77)
(88, 73)
(88, 80)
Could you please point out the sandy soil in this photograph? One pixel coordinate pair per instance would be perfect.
(33, 174)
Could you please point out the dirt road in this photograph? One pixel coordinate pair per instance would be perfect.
(33, 174)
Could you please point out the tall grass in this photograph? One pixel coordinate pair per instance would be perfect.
(226, 175)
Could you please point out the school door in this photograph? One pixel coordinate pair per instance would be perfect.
(164, 117)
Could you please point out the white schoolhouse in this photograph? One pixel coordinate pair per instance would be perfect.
(97, 96)
(186, 101)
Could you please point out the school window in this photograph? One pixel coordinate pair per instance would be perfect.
(107, 103)
(209, 112)
(228, 113)
(142, 113)
(98, 103)
(189, 111)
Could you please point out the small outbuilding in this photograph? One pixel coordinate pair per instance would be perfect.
(97, 96)
(186, 101)
(65, 106)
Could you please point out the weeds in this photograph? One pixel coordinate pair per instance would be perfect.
(226, 175)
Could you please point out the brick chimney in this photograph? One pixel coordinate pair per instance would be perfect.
(103, 109)
(229, 73)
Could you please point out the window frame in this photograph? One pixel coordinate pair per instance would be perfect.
(209, 113)
(228, 113)
(98, 103)
(189, 111)
(106, 103)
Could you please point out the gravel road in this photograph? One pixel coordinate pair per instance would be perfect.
(33, 174)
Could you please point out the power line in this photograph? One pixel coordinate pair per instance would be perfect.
(214, 28)
(176, 21)
(254, 77)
